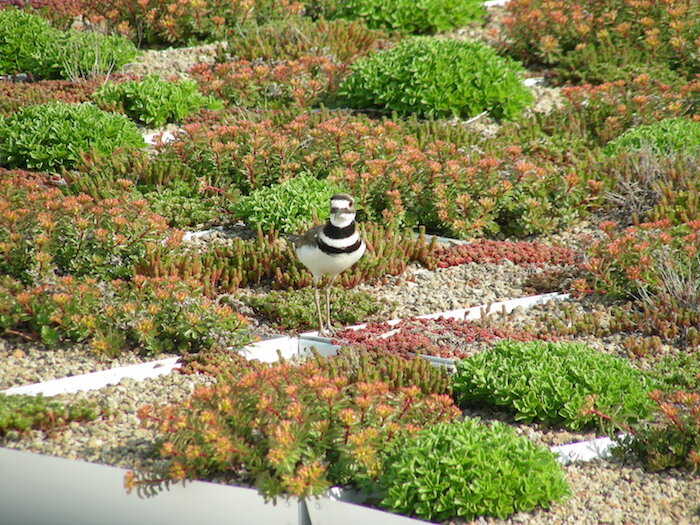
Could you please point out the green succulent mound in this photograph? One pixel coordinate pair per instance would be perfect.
(288, 207)
(432, 77)
(553, 383)
(154, 101)
(28, 44)
(468, 469)
(413, 16)
(55, 134)
(671, 135)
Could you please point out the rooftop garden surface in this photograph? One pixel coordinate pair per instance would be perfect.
(584, 182)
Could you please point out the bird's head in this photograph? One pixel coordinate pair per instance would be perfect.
(342, 210)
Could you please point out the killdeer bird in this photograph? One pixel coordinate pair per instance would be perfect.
(328, 249)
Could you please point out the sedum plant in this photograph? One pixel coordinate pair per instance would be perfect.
(559, 383)
(294, 309)
(288, 429)
(673, 135)
(437, 78)
(412, 16)
(55, 134)
(288, 207)
(86, 54)
(20, 413)
(154, 101)
(466, 469)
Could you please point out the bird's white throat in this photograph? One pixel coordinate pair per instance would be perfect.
(342, 220)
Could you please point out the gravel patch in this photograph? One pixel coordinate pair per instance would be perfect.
(27, 363)
(173, 61)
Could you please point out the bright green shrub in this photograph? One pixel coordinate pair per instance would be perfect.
(666, 136)
(27, 44)
(552, 383)
(287, 207)
(20, 413)
(154, 101)
(413, 16)
(466, 469)
(84, 54)
(295, 310)
(56, 134)
(437, 78)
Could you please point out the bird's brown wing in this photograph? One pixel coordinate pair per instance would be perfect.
(307, 239)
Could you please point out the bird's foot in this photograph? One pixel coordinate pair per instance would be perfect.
(327, 331)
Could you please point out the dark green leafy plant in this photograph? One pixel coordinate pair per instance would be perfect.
(437, 78)
(154, 101)
(558, 383)
(412, 16)
(466, 469)
(20, 413)
(56, 134)
(27, 42)
(288, 429)
(288, 207)
(672, 135)
(295, 310)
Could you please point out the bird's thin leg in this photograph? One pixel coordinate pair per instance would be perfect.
(317, 300)
(328, 305)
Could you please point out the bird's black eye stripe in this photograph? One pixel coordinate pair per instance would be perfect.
(341, 210)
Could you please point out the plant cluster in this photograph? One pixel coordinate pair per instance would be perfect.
(406, 16)
(523, 253)
(672, 437)
(600, 41)
(437, 78)
(302, 82)
(29, 44)
(20, 413)
(467, 469)
(648, 258)
(559, 383)
(297, 37)
(182, 204)
(678, 372)
(44, 233)
(149, 22)
(222, 269)
(446, 338)
(288, 429)
(672, 135)
(154, 101)
(150, 315)
(603, 112)
(395, 180)
(16, 95)
(288, 207)
(295, 310)
(55, 134)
